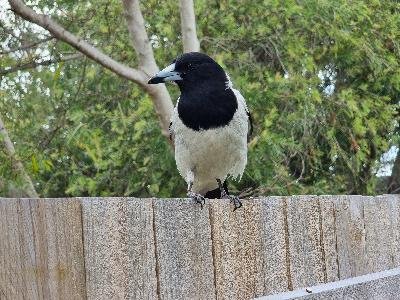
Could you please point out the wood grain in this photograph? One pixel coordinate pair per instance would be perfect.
(394, 215)
(42, 251)
(305, 241)
(378, 234)
(184, 253)
(350, 234)
(129, 248)
(249, 260)
(119, 248)
(328, 237)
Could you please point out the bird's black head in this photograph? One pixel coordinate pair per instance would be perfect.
(191, 70)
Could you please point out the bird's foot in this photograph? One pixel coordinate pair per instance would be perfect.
(198, 198)
(235, 199)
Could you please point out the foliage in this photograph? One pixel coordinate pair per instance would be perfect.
(321, 78)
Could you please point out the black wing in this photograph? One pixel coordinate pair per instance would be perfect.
(250, 121)
(171, 134)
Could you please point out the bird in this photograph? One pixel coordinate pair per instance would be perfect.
(210, 126)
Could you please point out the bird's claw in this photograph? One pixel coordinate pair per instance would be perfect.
(235, 199)
(236, 202)
(198, 198)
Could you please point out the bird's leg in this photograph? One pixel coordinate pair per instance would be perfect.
(196, 197)
(235, 199)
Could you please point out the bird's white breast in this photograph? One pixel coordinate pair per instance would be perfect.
(205, 155)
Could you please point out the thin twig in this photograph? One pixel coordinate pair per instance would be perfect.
(34, 64)
(27, 46)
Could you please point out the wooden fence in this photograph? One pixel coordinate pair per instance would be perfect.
(129, 248)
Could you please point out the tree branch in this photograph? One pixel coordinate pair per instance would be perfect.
(140, 40)
(34, 64)
(147, 63)
(62, 34)
(9, 147)
(188, 26)
(27, 46)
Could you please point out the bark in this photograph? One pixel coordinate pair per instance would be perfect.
(188, 26)
(394, 179)
(136, 26)
(17, 164)
(147, 66)
(82, 46)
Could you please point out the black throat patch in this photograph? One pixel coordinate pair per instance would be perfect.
(205, 108)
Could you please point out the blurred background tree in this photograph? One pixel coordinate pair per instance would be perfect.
(322, 79)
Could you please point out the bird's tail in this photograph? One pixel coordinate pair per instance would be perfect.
(216, 193)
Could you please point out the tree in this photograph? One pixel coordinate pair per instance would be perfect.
(146, 61)
(16, 163)
(321, 78)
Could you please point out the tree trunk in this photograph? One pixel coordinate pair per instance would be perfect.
(188, 26)
(147, 63)
(28, 187)
(136, 26)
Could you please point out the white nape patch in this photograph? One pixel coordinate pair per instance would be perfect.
(228, 82)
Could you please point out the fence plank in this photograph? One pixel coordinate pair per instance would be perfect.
(184, 252)
(119, 248)
(18, 279)
(394, 215)
(378, 234)
(249, 260)
(350, 233)
(305, 241)
(328, 231)
(171, 249)
(43, 251)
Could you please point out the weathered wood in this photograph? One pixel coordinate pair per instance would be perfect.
(249, 260)
(305, 241)
(17, 254)
(183, 247)
(378, 234)
(350, 234)
(41, 249)
(328, 237)
(394, 215)
(127, 248)
(119, 248)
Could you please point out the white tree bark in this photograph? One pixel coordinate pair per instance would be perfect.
(147, 63)
(188, 26)
(9, 147)
(159, 94)
(82, 46)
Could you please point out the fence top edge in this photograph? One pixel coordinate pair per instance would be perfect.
(172, 199)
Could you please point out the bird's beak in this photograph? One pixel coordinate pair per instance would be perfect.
(167, 74)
